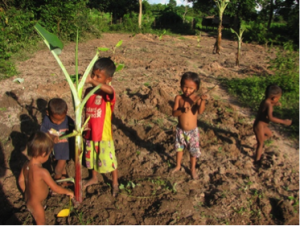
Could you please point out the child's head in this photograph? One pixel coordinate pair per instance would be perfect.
(103, 70)
(273, 92)
(57, 110)
(40, 144)
(190, 82)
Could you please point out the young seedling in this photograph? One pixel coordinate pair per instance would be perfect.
(161, 35)
(117, 45)
(240, 39)
(199, 39)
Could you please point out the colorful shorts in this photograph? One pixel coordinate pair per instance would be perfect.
(100, 156)
(188, 139)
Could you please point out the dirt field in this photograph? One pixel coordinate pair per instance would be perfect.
(230, 189)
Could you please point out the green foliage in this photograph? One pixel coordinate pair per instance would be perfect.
(251, 90)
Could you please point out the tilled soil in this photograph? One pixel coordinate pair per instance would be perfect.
(230, 188)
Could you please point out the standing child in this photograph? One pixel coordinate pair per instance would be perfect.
(100, 150)
(265, 115)
(34, 180)
(187, 107)
(57, 123)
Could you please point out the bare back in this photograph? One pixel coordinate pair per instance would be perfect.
(36, 190)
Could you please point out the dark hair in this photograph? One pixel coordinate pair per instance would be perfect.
(105, 64)
(39, 143)
(57, 106)
(273, 90)
(191, 76)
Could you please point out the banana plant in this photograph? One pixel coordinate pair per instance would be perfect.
(240, 40)
(55, 46)
(221, 5)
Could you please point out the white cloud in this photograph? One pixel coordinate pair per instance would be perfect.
(179, 2)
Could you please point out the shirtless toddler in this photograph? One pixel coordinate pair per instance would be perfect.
(265, 115)
(34, 180)
(187, 107)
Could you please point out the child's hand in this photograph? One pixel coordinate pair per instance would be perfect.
(204, 97)
(71, 194)
(287, 122)
(278, 104)
(55, 139)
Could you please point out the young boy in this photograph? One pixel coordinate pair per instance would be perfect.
(265, 115)
(100, 151)
(57, 123)
(187, 107)
(34, 180)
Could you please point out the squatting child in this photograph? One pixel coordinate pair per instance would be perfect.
(265, 115)
(34, 180)
(57, 123)
(100, 150)
(187, 107)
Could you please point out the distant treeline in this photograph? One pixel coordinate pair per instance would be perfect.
(275, 23)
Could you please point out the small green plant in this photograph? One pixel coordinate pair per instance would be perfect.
(240, 39)
(138, 153)
(117, 45)
(198, 39)
(162, 34)
(147, 84)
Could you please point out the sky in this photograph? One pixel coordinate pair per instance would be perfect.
(179, 2)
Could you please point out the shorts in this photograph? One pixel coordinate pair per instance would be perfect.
(100, 156)
(189, 140)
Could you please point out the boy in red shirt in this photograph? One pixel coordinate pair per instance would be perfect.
(100, 151)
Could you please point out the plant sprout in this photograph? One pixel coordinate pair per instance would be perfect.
(240, 39)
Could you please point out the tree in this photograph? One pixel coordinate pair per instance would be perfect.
(172, 4)
(221, 4)
(140, 13)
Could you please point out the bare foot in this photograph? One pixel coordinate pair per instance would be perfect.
(115, 190)
(174, 170)
(194, 175)
(89, 182)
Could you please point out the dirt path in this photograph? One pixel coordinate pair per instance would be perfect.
(230, 189)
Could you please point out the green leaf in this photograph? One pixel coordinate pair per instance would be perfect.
(119, 43)
(103, 49)
(120, 67)
(53, 42)
(121, 187)
(19, 80)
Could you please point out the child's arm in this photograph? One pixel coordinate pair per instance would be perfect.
(176, 110)
(105, 88)
(201, 103)
(274, 119)
(21, 181)
(53, 186)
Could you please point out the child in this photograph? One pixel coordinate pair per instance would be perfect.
(265, 115)
(100, 151)
(57, 123)
(187, 107)
(34, 180)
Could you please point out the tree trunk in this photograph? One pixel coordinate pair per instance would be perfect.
(270, 14)
(217, 46)
(140, 14)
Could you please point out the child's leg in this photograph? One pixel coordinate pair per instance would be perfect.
(260, 137)
(60, 169)
(193, 167)
(179, 155)
(268, 133)
(115, 184)
(93, 180)
(38, 213)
